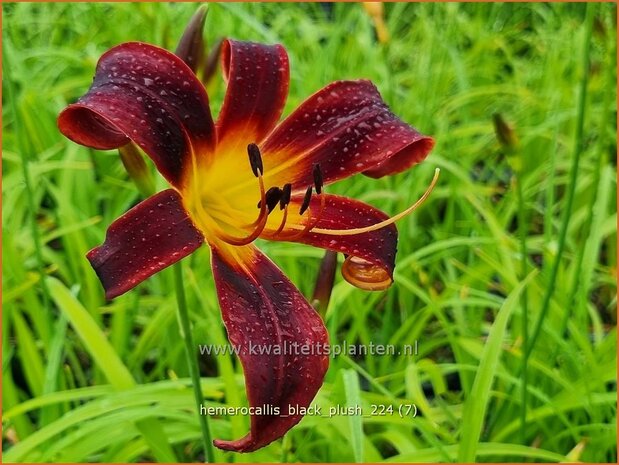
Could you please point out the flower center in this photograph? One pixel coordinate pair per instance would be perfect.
(220, 220)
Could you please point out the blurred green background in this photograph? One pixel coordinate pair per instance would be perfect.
(93, 381)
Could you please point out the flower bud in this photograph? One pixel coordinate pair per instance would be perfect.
(504, 133)
(134, 163)
(211, 62)
(191, 47)
(508, 140)
(376, 11)
(324, 282)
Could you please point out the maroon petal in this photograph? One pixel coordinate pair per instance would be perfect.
(151, 236)
(257, 77)
(263, 310)
(149, 95)
(370, 256)
(346, 128)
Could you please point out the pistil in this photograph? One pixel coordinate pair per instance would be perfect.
(382, 224)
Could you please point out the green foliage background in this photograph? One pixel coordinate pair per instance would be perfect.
(89, 380)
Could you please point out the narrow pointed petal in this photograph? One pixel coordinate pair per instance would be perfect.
(258, 77)
(262, 309)
(151, 236)
(146, 94)
(347, 128)
(370, 256)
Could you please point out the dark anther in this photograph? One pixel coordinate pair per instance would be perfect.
(317, 178)
(285, 200)
(255, 159)
(306, 200)
(273, 196)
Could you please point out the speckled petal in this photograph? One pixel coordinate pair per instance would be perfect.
(370, 256)
(149, 95)
(151, 236)
(257, 77)
(263, 311)
(346, 128)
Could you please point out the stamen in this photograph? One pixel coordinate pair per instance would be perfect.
(285, 199)
(273, 196)
(255, 159)
(283, 223)
(306, 200)
(382, 224)
(311, 223)
(283, 205)
(317, 173)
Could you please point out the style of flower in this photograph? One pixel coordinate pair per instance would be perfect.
(240, 178)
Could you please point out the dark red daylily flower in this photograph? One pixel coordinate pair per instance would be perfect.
(147, 95)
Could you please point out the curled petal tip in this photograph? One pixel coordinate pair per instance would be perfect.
(366, 275)
(415, 152)
(246, 444)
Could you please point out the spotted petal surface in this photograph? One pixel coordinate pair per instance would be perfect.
(347, 128)
(148, 238)
(257, 76)
(148, 95)
(263, 310)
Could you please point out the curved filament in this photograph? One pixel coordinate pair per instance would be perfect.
(283, 223)
(310, 224)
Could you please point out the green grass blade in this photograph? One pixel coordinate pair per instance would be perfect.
(91, 336)
(108, 362)
(476, 404)
(355, 422)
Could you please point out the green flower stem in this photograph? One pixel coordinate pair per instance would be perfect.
(522, 232)
(183, 317)
(571, 185)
